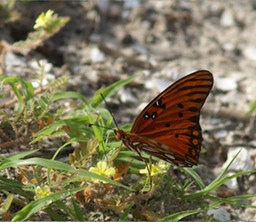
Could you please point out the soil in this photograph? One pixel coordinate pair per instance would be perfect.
(162, 41)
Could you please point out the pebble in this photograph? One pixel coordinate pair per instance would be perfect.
(227, 19)
(127, 97)
(219, 214)
(221, 134)
(103, 5)
(97, 56)
(243, 161)
(250, 52)
(93, 75)
(232, 183)
(14, 64)
(131, 4)
(158, 84)
(225, 84)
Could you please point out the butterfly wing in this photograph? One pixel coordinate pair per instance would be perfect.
(171, 120)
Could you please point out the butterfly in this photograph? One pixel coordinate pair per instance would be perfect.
(168, 127)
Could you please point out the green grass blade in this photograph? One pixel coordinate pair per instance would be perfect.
(75, 122)
(77, 210)
(19, 156)
(90, 175)
(13, 186)
(53, 164)
(28, 90)
(222, 174)
(13, 81)
(67, 209)
(195, 176)
(238, 200)
(124, 216)
(6, 204)
(54, 215)
(252, 108)
(110, 90)
(216, 184)
(37, 205)
(68, 95)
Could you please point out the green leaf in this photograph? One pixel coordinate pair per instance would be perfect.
(20, 155)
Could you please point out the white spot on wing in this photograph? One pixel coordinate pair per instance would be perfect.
(149, 149)
(136, 143)
(169, 156)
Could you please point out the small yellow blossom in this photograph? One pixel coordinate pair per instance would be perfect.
(155, 169)
(41, 192)
(103, 169)
(44, 19)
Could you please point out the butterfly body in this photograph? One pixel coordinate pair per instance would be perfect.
(168, 127)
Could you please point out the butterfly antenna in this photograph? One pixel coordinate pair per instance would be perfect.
(107, 105)
(93, 124)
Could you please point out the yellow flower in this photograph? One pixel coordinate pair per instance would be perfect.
(103, 169)
(41, 192)
(44, 19)
(155, 169)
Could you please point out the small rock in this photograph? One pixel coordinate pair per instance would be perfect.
(227, 19)
(14, 64)
(243, 161)
(103, 6)
(232, 183)
(131, 4)
(221, 134)
(229, 46)
(219, 214)
(226, 84)
(97, 56)
(127, 97)
(13, 60)
(93, 76)
(250, 53)
(159, 84)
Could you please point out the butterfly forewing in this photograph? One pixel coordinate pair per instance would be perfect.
(169, 125)
(179, 102)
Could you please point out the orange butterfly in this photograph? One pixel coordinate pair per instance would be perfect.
(169, 126)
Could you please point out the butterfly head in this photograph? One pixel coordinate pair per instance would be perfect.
(120, 134)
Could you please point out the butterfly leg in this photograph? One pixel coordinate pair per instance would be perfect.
(148, 169)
